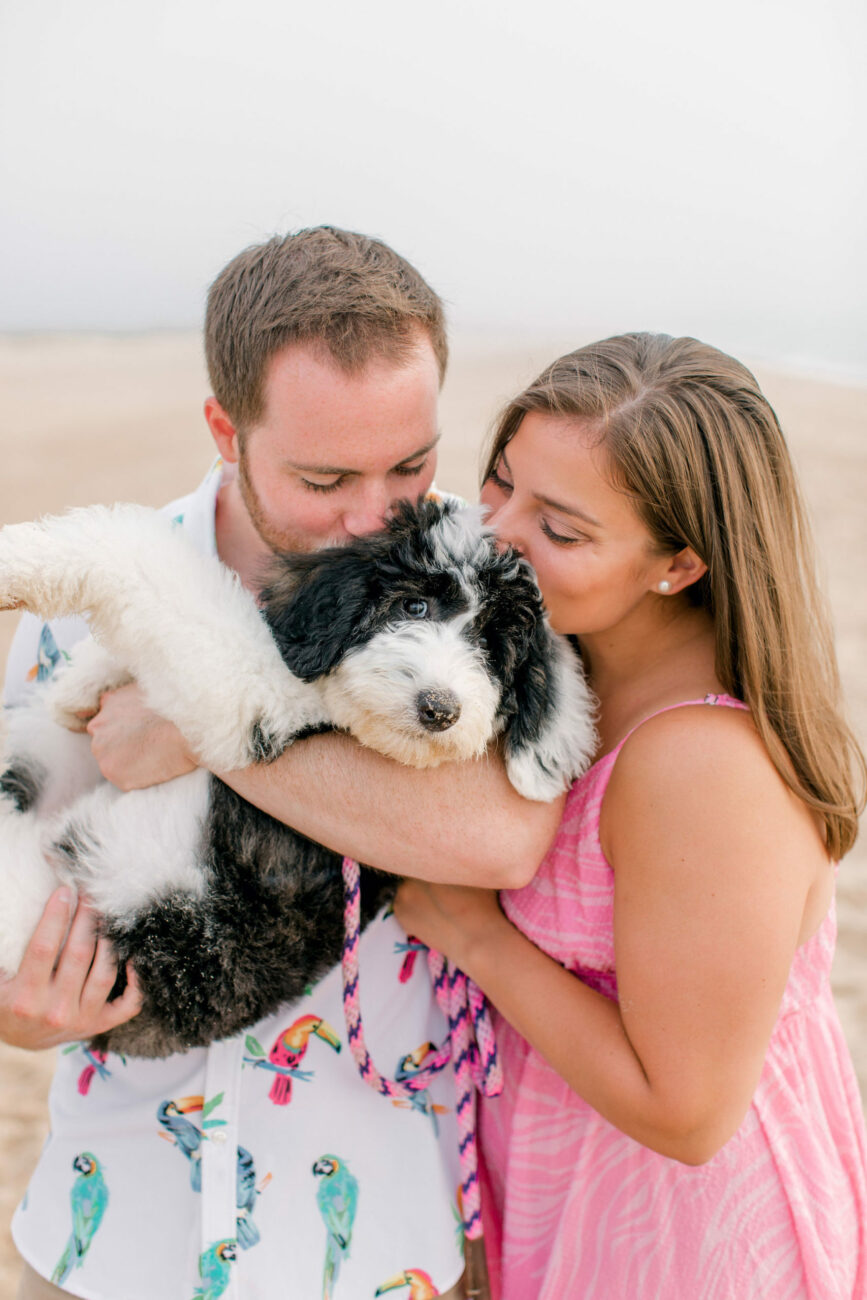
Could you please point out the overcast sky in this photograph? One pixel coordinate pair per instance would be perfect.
(550, 165)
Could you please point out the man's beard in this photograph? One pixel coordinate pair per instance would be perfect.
(276, 539)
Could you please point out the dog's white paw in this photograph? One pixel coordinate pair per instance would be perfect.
(76, 688)
(27, 559)
(231, 728)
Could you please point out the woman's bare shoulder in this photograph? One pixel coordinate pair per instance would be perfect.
(705, 767)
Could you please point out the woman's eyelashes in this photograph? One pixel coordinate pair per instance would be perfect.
(561, 539)
(496, 477)
(403, 471)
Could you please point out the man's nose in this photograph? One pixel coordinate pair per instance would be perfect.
(368, 513)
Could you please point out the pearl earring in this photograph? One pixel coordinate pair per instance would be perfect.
(664, 586)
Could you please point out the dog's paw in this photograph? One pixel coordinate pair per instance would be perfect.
(77, 688)
(533, 778)
(265, 745)
(24, 555)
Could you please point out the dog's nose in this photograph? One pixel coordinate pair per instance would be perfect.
(437, 710)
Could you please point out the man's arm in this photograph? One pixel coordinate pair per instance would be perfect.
(461, 823)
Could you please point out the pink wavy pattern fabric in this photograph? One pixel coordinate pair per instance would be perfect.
(576, 1210)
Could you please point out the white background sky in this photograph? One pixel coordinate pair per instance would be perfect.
(551, 166)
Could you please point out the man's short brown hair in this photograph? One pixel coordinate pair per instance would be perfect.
(351, 293)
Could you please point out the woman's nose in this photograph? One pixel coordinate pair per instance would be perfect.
(504, 521)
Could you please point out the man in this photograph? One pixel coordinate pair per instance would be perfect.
(279, 1171)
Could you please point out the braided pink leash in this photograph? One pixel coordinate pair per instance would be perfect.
(470, 1045)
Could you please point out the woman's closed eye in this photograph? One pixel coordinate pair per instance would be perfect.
(561, 539)
(496, 477)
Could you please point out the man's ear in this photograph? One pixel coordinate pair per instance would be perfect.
(683, 570)
(223, 431)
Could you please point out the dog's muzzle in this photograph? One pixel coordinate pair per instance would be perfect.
(437, 710)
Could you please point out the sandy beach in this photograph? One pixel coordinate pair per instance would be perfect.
(91, 418)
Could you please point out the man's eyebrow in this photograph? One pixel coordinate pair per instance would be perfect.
(337, 469)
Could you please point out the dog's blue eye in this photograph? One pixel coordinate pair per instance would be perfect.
(416, 608)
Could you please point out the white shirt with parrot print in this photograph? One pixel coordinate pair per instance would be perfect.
(262, 1166)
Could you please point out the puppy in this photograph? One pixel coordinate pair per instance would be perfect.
(424, 641)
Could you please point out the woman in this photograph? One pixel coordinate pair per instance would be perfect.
(682, 1119)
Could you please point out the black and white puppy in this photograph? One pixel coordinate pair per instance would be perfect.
(424, 641)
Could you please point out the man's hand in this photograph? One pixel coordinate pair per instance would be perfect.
(134, 746)
(59, 994)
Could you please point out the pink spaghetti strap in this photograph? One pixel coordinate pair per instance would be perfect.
(727, 701)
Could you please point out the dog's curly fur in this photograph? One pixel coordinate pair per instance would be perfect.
(425, 641)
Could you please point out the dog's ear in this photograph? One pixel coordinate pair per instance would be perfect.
(315, 606)
(551, 738)
(546, 710)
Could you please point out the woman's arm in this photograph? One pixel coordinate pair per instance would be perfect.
(714, 860)
(461, 822)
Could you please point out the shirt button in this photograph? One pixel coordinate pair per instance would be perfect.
(218, 1137)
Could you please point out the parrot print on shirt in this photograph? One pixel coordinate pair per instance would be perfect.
(214, 1268)
(337, 1201)
(88, 1199)
(247, 1194)
(420, 1101)
(48, 656)
(96, 1065)
(420, 1284)
(185, 1135)
(289, 1050)
(411, 950)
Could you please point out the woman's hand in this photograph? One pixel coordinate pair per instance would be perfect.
(453, 919)
(59, 994)
(134, 746)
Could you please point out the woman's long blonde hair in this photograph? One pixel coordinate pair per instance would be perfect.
(695, 443)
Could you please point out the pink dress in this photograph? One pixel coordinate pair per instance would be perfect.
(576, 1210)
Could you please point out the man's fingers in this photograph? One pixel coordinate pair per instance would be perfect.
(77, 956)
(84, 716)
(124, 1007)
(40, 958)
(100, 980)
